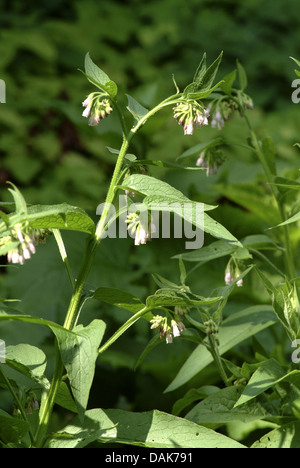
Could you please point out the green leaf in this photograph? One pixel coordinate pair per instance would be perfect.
(13, 315)
(136, 109)
(242, 76)
(12, 429)
(212, 251)
(285, 304)
(151, 429)
(228, 81)
(193, 91)
(284, 184)
(296, 61)
(79, 351)
(20, 203)
(97, 77)
(64, 398)
(200, 70)
(194, 151)
(61, 216)
(119, 298)
(210, 73)
(268, 374)
(220, 408)
(161, 196)
(29, 361)
(194, 394)
(293, 219)
(286, 436)
(234, 329)
(260, 242)
(171, 297)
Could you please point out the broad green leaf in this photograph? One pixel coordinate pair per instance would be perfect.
(61, 216)
(172, 297)
(234, 329)
(163, 197)
(266, 376)
(151, 429)
(119, 298)
(136, 109)
(219, 408)
(79, 351)
(12, 429)
(20, 203)
(147, 186)
(286, 436)
(29, 361)
(98, 77)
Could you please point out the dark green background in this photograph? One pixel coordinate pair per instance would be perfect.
(50, 153)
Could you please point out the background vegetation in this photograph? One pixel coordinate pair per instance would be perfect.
(49, 152)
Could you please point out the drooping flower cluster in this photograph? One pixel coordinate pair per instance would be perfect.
(97, 107)
(21, 242)
(190, 113)
(210, 159)
(141, 230)
(168, 329)
(222, 108)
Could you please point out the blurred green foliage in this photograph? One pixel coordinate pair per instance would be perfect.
(50, 153)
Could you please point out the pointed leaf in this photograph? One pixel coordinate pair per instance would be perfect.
(136, 109)
(98, 77)
(119, 298)
(235, 329)
(79, 351)
(151, 429)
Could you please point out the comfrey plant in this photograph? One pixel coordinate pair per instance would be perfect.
(174, 311)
